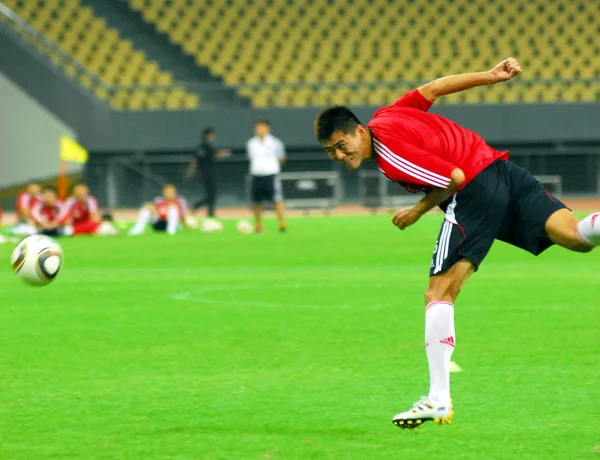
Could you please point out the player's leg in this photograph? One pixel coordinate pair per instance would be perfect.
(440, 335)
(86, 228)
(278, 200)
(257, 193)
(563, 228)
(145, 215)
(210, 186)
(540, 220)
(173, 219)
(473, 219)
(258, 226)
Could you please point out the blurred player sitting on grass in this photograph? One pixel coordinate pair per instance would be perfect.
(83, 213)
(166, 213)
(25, 203)
(484, 196)
(50, 215)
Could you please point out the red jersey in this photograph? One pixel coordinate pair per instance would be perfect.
(162, 207)
(54, 213)
(26, 201)
(81, 211)
(420, 150)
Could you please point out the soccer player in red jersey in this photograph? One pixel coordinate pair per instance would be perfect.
(166, 213)
(50, 215)
(82, 210)
(484, 196)
(25, 203)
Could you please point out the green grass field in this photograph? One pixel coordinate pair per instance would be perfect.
(295, 346)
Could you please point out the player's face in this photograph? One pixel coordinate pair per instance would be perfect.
(34, 189)
(349, 149)
(81, 192)
(49, 197)
(169, 193)
(261, 129)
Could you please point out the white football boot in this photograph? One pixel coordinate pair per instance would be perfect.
(423, 411)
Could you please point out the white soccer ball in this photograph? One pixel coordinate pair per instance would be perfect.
(211, 226)
(37, 260)
(191, 222)
(244, 226)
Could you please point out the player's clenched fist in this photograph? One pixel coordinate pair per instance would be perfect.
(406, 217)
(506, 69)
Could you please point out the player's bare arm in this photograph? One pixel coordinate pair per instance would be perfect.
(503, 71)
(191, 169)
(408, 216)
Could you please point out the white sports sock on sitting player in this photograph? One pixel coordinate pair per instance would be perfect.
(172, 219)
(440, 340)
(589, 229)
(143, 219)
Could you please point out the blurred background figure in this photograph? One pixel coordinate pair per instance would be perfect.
(167, 213)
(25, 203)
(266, 154)
(84, 214)
(50, 215)
(82, 210)
(204, 159)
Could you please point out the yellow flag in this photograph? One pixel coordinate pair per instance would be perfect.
(72, 151)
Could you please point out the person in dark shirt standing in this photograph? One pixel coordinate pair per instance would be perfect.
(204, 158)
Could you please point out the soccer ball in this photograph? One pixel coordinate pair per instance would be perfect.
(244, 226)
(211, 226)
(191, 222)
(37, 260)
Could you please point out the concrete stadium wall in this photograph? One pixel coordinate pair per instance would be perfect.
(501, 124)
(68, 101)
(29, 137)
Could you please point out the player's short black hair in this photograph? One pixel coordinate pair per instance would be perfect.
(335, 118)
(262, 121)
(49, 188)
(207, 132)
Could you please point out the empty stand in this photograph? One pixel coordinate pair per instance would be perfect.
(360, 42)
(100, 49)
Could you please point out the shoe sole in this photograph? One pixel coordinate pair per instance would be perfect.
(416, 423)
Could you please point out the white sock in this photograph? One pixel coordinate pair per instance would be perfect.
(172, 220)
(143, 218)
(589, 229)
(439, 342)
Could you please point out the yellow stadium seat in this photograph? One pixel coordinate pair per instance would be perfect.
(392, 42)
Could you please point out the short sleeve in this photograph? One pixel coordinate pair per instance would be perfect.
(415, 166)
(93, 204)
(36, 213)
(415, 100)
(280, 149)
(182, 205)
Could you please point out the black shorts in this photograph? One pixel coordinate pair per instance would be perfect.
(266, 188)
(503, 202)
(159, 225)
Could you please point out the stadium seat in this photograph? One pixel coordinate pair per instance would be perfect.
(260, 41)
(93, 44)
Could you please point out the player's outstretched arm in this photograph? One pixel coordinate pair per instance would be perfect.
(504, 71)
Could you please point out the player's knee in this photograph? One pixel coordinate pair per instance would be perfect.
(443, 287)
(568, 237)
(442, 291)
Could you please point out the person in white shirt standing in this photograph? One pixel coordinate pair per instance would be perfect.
(266, 154)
